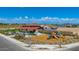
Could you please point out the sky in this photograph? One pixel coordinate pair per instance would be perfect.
(39, 15)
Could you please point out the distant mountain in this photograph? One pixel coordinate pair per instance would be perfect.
(43, 20)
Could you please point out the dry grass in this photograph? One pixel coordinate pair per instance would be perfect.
(44, 39)
(68, 29)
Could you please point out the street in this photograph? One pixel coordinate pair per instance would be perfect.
(6, 45)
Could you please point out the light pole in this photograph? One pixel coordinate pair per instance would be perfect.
(29, 38)
(30, 42)
(59, 39)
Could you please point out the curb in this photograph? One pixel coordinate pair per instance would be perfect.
(21, 44)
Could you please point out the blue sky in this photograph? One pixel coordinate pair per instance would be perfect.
(69, 12)
(39, 14)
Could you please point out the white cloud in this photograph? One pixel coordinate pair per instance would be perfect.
(54, 18)
(46, 18)
(67, 19)
(51, 18)
(26, 17)
(20, 17)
